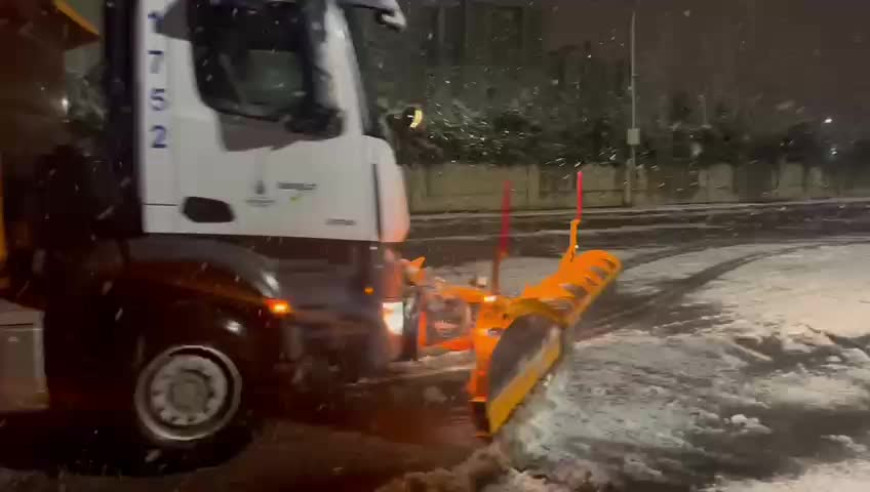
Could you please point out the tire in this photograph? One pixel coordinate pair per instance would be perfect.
(188, 395)
(191, 394)
(106, 351)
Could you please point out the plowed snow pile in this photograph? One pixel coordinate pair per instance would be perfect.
(846, 476)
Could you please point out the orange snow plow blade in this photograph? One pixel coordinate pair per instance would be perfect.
(518, 341)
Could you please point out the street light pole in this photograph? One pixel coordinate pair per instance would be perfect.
(633, 135)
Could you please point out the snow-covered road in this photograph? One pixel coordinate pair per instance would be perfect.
(728, 368)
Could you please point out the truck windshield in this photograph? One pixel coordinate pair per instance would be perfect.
(250, 61)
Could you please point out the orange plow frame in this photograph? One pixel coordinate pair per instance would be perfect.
(546, 311)
(554, 306)
(517, 341)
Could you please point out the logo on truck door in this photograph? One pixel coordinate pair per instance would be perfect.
(260, 199)
(297, 190)
(341, 222)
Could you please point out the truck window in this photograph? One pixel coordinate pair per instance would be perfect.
(250, 61)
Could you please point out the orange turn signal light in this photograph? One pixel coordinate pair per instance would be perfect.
(279, 307)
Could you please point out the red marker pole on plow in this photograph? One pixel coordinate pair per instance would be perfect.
(575, 224)
(502, 250)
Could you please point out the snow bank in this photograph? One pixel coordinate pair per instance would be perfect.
(812, 392)
(487, 469)
(848, 476)
(635, 407)
(627, 401)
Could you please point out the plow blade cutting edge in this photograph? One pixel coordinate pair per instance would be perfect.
(518, 341)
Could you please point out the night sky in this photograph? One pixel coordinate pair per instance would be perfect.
(777, 60)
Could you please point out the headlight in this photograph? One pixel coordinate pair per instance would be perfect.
(394, 317)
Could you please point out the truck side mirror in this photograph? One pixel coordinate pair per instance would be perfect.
(413, 117)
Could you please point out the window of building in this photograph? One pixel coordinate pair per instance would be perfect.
(506, 34)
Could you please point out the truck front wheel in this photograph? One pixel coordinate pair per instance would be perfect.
(187, 394)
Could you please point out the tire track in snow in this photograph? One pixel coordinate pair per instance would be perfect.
(630, 317)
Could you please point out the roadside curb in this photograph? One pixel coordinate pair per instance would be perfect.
(632, 222)
(664, 209)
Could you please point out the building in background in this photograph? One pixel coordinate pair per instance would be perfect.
(478, 53)
(757, 68)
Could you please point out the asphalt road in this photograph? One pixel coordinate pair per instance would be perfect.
(378, 434)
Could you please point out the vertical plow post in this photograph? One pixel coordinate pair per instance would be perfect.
(575, 224)
(502, 249)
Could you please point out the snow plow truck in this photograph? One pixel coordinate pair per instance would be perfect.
(238, 212)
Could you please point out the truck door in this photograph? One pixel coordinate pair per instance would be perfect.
(250, 121)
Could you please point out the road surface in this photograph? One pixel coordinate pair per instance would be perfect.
(730, 354)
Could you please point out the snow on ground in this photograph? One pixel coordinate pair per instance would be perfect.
(772, 382)
(635, 404)
(824, 290)
(759, 391)
(846, 476)
(647, 278)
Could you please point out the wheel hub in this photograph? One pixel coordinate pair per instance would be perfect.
(189, 393)
(188, 390)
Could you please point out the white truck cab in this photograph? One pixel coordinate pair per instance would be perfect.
(232, 220)
(252, 120)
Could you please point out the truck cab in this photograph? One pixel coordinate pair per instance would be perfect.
(232, 218)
